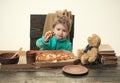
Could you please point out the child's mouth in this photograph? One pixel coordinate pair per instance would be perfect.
(60, 36)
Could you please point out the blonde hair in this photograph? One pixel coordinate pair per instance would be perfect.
(63, 20)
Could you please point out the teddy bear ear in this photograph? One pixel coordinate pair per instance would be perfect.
(94, 35)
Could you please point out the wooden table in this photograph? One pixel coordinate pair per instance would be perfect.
(97, 74)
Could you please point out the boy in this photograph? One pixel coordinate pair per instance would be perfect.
(56, 39)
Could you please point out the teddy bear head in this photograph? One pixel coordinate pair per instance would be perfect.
(94, 40)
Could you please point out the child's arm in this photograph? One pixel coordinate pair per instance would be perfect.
(41, 43)
(48, 35)
(44, 41)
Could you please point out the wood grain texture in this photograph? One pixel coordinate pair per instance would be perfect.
(97, 74)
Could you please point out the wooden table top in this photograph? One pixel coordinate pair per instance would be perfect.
(97, 74)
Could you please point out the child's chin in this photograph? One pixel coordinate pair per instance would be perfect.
(60, 37)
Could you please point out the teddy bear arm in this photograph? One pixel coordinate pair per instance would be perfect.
(92, 55)
(80, 52)
(84, 59)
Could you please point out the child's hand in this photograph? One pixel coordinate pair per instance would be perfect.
(48, 35)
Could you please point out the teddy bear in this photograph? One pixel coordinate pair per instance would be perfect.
(90, 54)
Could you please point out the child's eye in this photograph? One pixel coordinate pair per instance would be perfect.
(58, 29)
(64, 30)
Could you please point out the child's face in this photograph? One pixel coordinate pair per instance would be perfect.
(60, 31)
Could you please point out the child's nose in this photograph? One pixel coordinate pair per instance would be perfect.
(61, 32)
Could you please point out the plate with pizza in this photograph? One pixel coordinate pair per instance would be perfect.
(49, 58)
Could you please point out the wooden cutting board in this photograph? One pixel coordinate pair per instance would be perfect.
(45, 64)
(41, 64)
